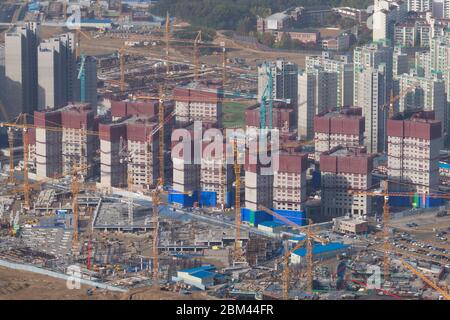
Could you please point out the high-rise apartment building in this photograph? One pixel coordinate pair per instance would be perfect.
(289, 182)
(113, 164)
(344, 76)
(317, 93)
(338, 128)
(198, 102)
(371, 56)
(216, 176)
(72, 147)
(372, 99)
(424, 93)
(413, 153)
(284, 80)
(56, 71)
(342, 170)
(90, 82)
(19, 90)
(386, 14)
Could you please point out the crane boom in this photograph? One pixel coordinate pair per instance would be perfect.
(426, 280)
(310, 237)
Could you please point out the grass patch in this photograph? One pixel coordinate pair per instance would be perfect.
(234, 114)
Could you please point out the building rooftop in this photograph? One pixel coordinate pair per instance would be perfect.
(203, 274)
(347, 152)
(319, 248)
(204, 268)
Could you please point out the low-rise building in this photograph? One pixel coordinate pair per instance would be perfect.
(323, 251)
(200, 277)
(350, 225)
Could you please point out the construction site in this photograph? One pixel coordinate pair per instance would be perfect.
(90, 180)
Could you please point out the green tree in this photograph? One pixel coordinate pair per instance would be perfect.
(268, 39)
(245, 26)
(285, 41)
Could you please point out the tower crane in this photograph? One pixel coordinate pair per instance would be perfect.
(238, 254)
(310, 238)
(167, 39)
(11, 178)
(24, 127)
(197, 41)
(82, 78)
(425, 279)
(224, 65)
(386, 216)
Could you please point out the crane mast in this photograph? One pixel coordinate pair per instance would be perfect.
(161, 137)
(167, 38)
(26, 187)
(11, 155)
(238, 254)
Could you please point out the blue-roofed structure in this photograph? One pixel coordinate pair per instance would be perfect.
(200, 277)
(320, 250)
(208, 267)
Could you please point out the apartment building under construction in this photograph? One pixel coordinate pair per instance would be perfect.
(338, 128)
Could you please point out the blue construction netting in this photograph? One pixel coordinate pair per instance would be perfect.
(208, 199)
(297, 217)
(316, 176)
(185, 200)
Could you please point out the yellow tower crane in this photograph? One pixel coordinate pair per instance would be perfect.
(12, 179)
(425, 279)
(167, 40)
(310, 238)
(386, 217)
(26, 146)
(238, 254)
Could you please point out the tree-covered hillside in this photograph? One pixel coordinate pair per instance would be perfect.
(235, 14)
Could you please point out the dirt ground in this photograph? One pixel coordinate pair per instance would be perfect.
(23, 285)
